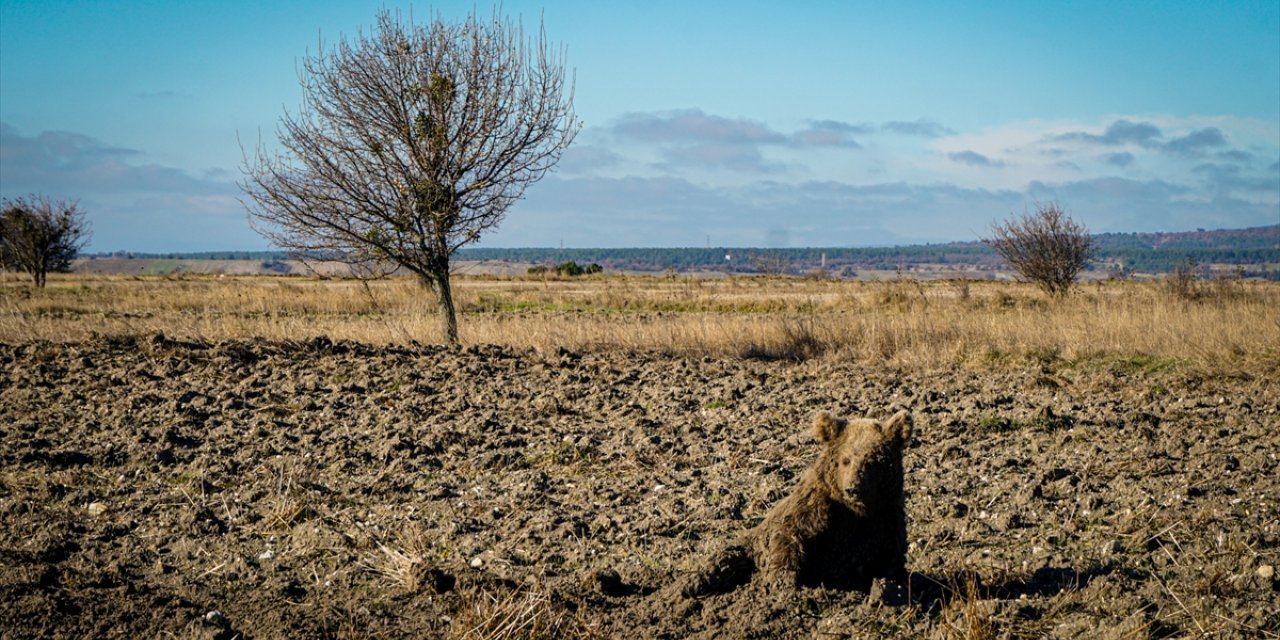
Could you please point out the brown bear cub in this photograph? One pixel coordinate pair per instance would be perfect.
(843, 526)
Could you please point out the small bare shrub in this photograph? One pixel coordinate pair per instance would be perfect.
(902, 293)
(1181, 282)
(1046, 248)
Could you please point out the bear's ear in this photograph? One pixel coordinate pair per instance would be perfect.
(899, 426)
(827, 427)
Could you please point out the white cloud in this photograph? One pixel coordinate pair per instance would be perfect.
(131, 204)
(674, 178)
(1133, 147)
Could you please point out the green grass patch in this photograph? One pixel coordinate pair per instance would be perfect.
(1135, 364)
(1142, 364)
(996, 423)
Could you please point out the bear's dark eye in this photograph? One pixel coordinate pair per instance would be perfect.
(844, 462)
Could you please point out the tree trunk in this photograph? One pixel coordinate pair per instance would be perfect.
(438, 280)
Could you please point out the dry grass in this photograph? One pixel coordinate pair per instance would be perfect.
(405, 562)
(964, 618)
(399, 568)
(900, 322)
(530, 613)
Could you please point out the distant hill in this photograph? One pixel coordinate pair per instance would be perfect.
(1220, 239)
(1255, 250)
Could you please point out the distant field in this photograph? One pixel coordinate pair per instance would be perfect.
(1256, 251)
(897, 321)
(491, 267)
(268, 266)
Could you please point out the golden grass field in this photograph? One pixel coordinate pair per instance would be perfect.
(903, 323)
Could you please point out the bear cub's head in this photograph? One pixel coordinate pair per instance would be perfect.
(861, 461)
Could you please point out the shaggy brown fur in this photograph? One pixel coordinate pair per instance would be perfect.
(844, 525)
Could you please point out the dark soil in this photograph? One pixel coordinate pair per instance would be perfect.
(273, 490)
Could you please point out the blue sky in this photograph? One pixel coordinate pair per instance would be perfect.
(745, 123)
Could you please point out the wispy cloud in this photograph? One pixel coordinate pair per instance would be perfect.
(738, 178)
(1117, 133)
(132, 204)
(693, 126)
(973, 159)
(1230, 179)
(829, 133)
(1235, 155)
(922, 127)
(743, 158)
(674, 178)
(1120, 204)
(582, 158)
(1119, 159)
(55, 148)
(689, 125)
(1197, 142)
(673, 211)
(1150, 136)
(66, 161)
(1165, 148)
(691, 138)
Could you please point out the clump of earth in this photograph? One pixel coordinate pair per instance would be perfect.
(151, 487)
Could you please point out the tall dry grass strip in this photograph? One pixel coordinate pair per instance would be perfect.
(901, 323)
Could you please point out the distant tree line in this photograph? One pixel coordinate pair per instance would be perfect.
(744, 260)
(195, 255)
(1256, 249)
(1267, 238)
(1167, 260)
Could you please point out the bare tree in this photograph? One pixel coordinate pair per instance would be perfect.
(1046, 247)
(39, 235)
(411, 142)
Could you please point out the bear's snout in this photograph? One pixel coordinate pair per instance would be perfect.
(853, 497)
